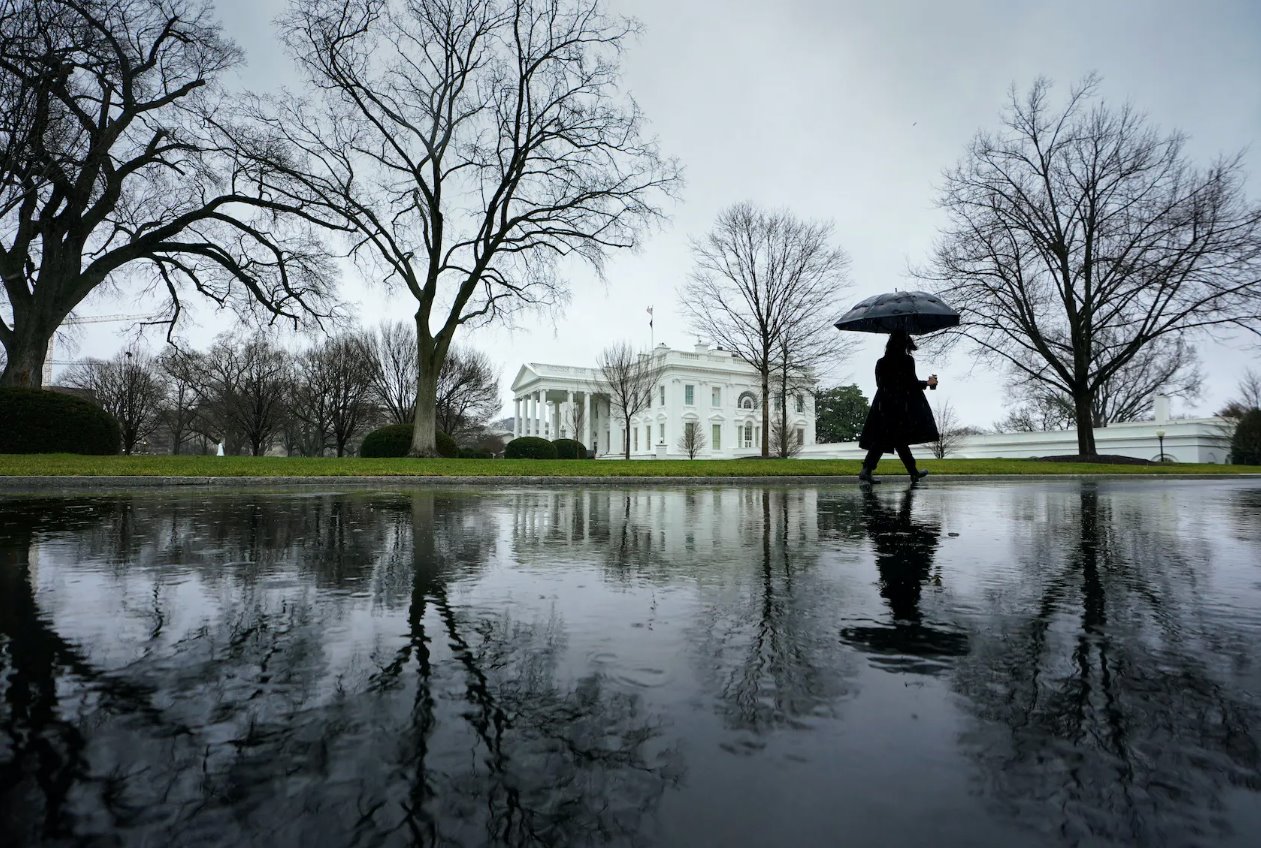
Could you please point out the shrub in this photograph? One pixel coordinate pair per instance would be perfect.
(530, 447)
(475, 453)
(38, 421)
(396, 440)
(569, 449)
(1245, 447)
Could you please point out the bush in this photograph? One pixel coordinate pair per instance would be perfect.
(569, 449)
(1245, 447)
(38, 421)
(475, 453)
(530, 447)
(396, 440)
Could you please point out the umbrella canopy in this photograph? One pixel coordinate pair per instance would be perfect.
(913, 312)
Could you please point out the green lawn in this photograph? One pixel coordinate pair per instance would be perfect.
(242, 466)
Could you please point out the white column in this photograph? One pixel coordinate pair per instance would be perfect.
(587, 427)
(529, 415)
(541, 409)
(569, 410)
(516, 417)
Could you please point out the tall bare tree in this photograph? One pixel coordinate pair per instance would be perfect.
(113, 170)
(629, 378)
(130, 387)
(469, 146)
(468, 392)
(1079, 237)
(332, 392)
(180, 412)
(393, 347)
(767, 286)
(244, 383)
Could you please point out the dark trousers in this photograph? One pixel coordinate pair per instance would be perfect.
(904, 454)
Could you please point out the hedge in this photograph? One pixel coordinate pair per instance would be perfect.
(38, 421)
(569, 449)
(530, 447)
(476, 453)
(396, 440)
(1245, 447)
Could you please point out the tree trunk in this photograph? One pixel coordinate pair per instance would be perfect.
(1085, 432)
(766, 413)
(424, 442)
(26, 354)
(626, 442)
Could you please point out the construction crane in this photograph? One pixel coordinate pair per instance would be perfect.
(90, 319)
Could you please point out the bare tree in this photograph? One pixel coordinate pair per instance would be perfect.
(180, 412)
(1080, 237)
(693, 440)
(468, 392)
(130, 387)
(332, 391)
(766, 287)
(575, 419)
(113, 168)
(244, 384)
(949, 433)
(394, 378)
(1248, 397)
(784, 440)
(469, 146)
(629, 379)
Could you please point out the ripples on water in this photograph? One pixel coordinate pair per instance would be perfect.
(956, 664)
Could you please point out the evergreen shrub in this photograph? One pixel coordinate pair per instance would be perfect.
(40, 421)
(530, 447)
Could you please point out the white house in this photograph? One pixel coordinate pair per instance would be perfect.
(704, 388)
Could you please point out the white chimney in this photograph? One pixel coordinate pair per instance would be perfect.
(702, 347)
(1161, 409)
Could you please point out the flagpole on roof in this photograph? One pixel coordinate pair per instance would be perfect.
(652, 337)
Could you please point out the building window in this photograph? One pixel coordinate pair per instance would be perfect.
(662, 428)
(747, 401)
(689, 395)
(635, 432)
(663, 395)
(717, 395)
(748, 436)
(801, 437)
(801, 403)
(647, 437)
(716, 437)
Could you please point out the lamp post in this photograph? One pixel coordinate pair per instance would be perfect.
(1160, 435)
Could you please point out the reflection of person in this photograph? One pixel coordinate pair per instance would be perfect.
(904, 553)
(900, 415)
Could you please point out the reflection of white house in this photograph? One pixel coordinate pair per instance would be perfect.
(707, 389)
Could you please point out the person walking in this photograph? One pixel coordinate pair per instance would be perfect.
(899, 415)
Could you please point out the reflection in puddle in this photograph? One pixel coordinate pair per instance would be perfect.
(1032, 663)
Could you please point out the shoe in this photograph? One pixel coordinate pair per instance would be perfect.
(918, 475)
(864, 476)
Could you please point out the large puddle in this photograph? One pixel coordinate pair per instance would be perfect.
(954, 664)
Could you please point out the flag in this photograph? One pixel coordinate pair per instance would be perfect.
(650, 316)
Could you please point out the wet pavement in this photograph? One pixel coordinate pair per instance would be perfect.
(1032, 663)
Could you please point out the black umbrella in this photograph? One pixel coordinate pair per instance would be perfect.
(912, 312)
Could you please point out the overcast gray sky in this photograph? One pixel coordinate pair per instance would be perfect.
(849, 111)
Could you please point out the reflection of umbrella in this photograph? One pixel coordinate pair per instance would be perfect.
(914, 648)
(912, 312)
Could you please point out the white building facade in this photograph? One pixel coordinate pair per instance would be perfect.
(706, 389)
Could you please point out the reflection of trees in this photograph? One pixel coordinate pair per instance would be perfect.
(263, 724)
(773, 652)
(904, 551)
(1104, 711)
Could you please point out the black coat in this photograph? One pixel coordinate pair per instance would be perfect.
(899, 414)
